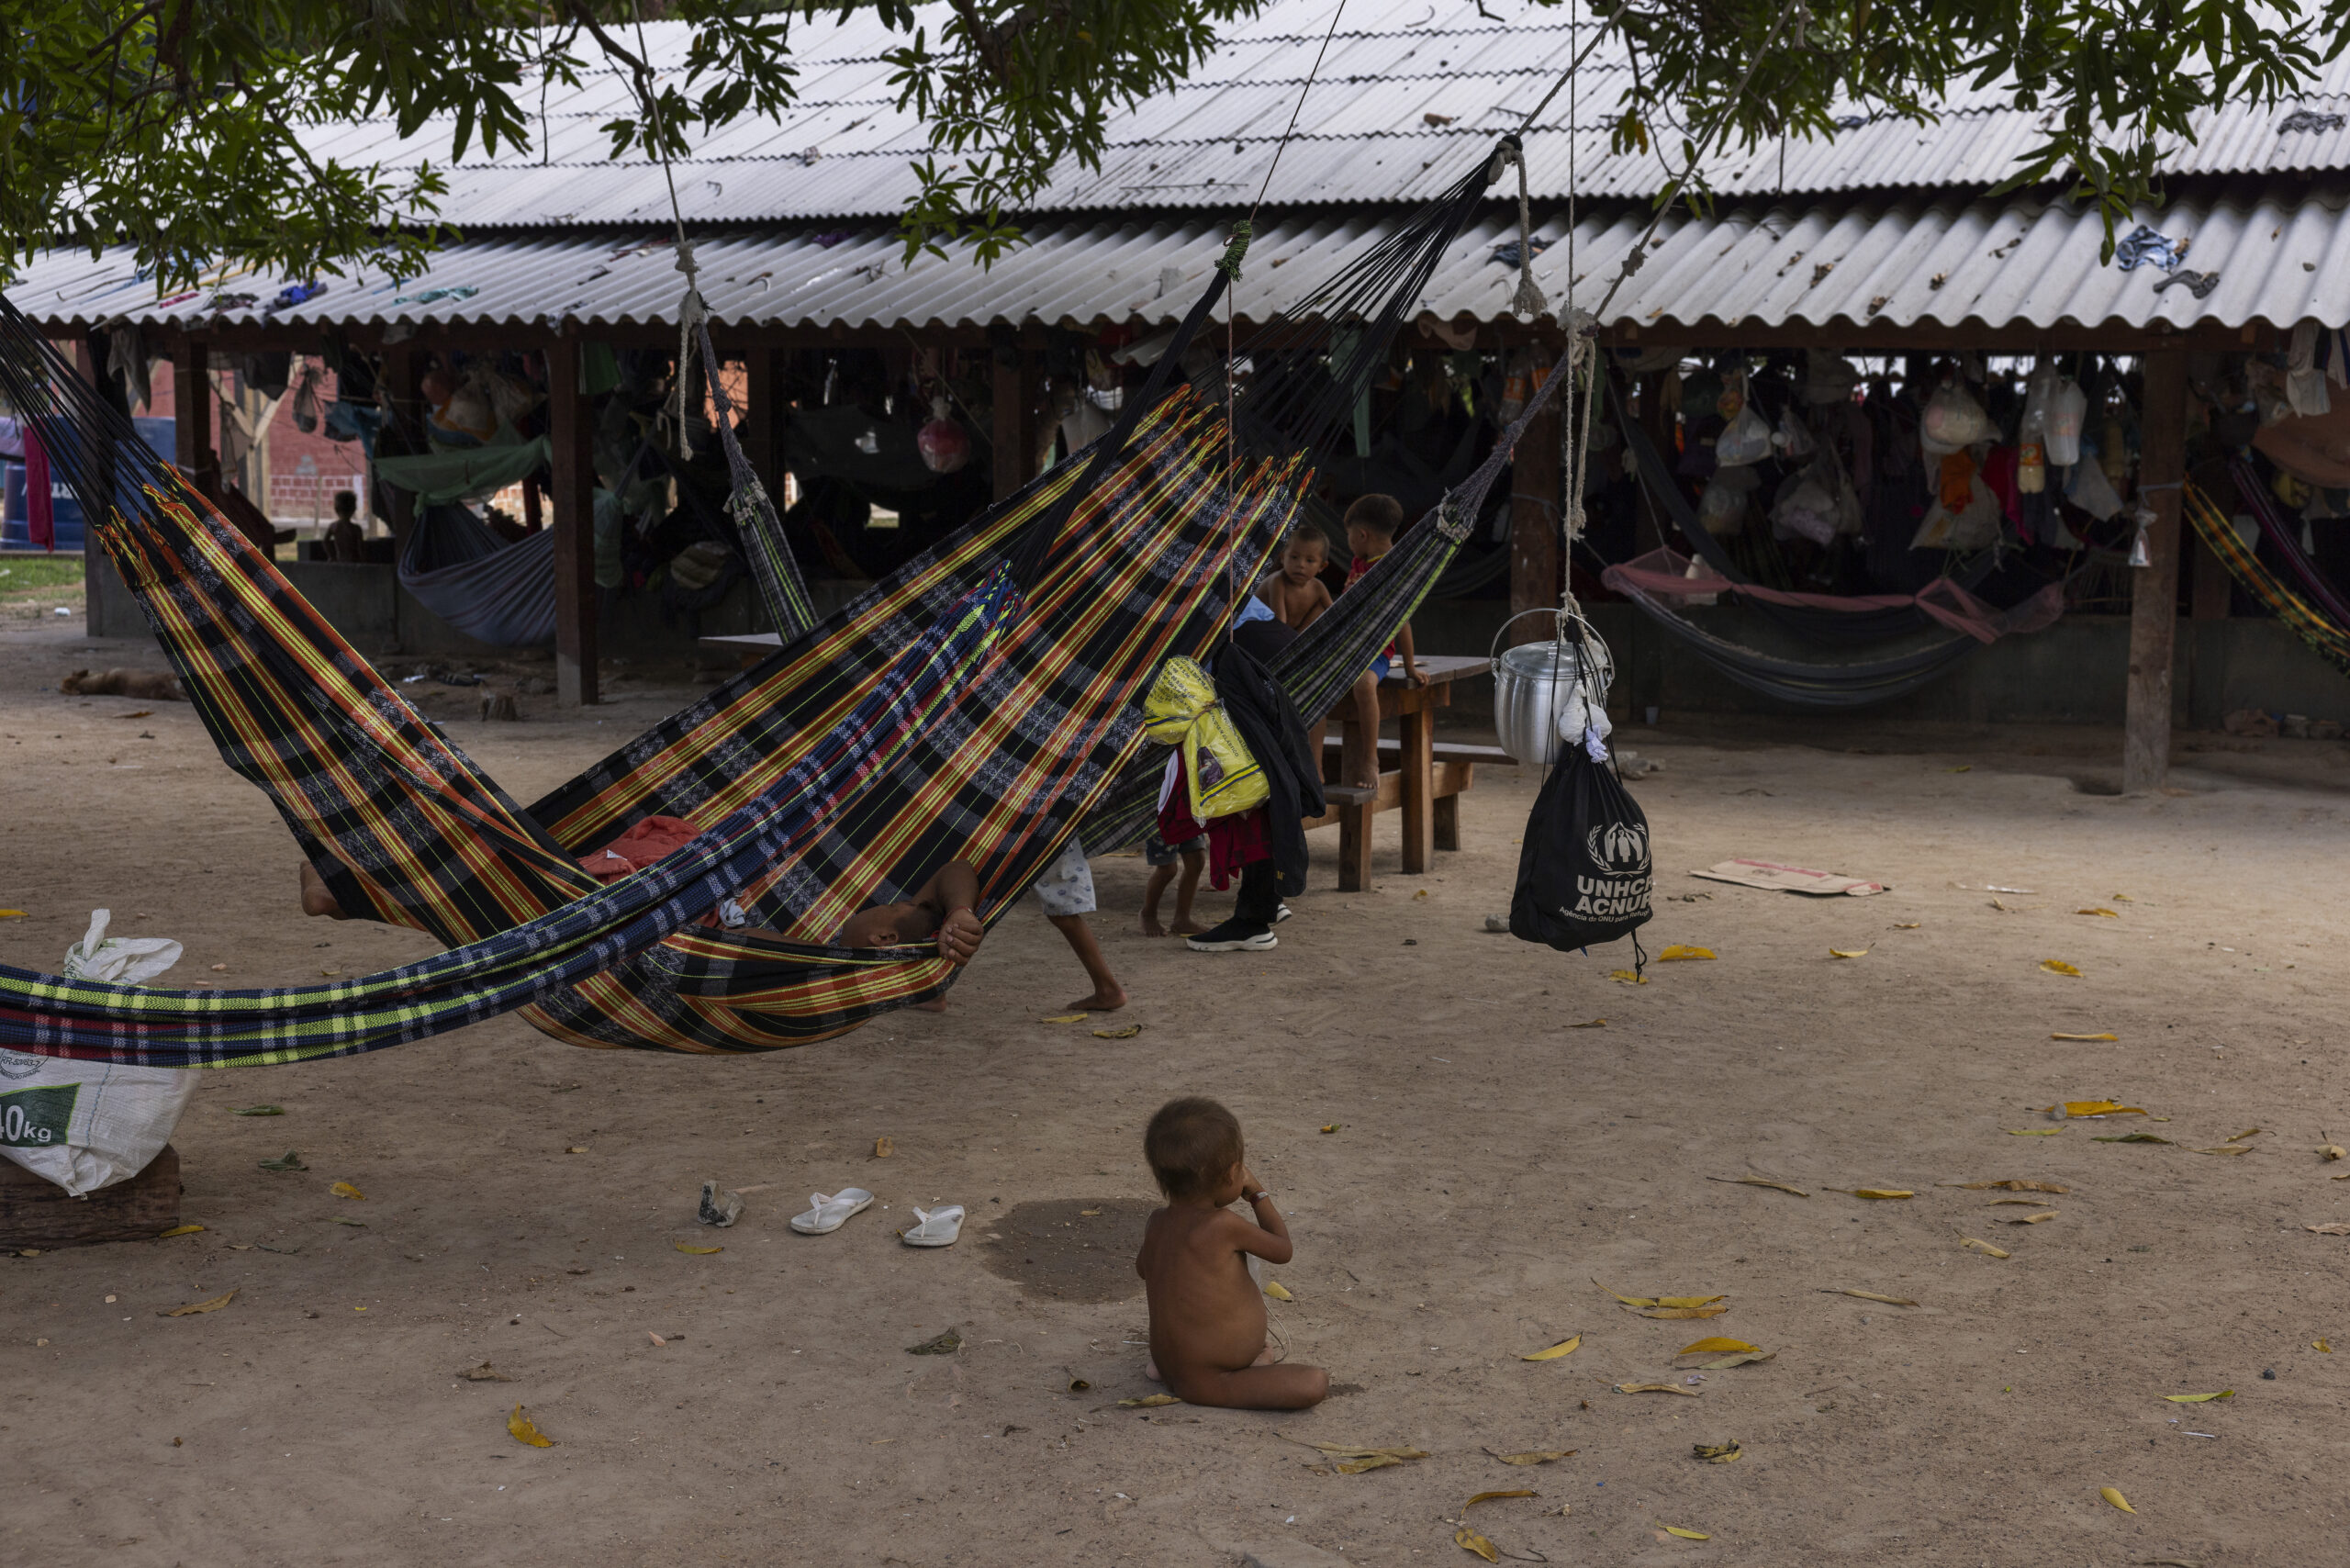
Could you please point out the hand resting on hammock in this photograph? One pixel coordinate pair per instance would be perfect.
(941, 906)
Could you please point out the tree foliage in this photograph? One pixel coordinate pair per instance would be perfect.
(196, 130)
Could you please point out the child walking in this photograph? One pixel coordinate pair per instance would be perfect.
(1207, 1318)
(1161, 856)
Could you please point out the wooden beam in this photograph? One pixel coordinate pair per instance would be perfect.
(571, 429)
(2154, 590)
(1534, 504)
(192, 417)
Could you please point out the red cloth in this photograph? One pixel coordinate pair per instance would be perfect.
(1362, 564)
(643, 843)
(1998, 474)
(40, 505)
(1234, 842)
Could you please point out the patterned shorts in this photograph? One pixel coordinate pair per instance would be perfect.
(1157, 851)
(1067, 886)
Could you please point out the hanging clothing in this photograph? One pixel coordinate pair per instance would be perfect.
(41, 501)
(1269, 722)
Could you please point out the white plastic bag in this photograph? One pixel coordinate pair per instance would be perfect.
(86, 1124)
(1952, 419)
(2068, 407)
(1746, 439)
(1721, 511)
(1806, 509)
(2092, 492)
(1792, 439)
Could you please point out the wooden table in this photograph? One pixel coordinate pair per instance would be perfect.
(1423, 785)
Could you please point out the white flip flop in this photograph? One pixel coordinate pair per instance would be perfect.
(937, 1227)
(826, 1215)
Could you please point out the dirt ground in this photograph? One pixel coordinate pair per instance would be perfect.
(1462, 1150)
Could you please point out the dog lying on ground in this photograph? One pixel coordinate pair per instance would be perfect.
(148, 686)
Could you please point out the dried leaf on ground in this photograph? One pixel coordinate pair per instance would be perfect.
(2116, 1498)
(1064, 1018)
(1738, 1361)
(1975, 1243)
(1680, 951)
(2225, 1148)
(2026, 1203)
(1357, 1466)
(256, 1110)
(1490, 1497)
(192, 1308)
(1869, 1295)
(1715, 1347)
(2085, 1037)
(2333, 1227)
(2130, 1138)
(1146, 1402)
(1627, 977)
(1278, 1290)
(2077, 1109)
(1875, 1191)
(525, 1431)
(2032, 1132)
(1128, 1032)
(2009, 1185)
(2031, 1219)
(1683, 1534)
(2239, 1138)
(1661, 1300)
(1476, 1545)
(1906, 924)
(2199, 1398)
(486, 1374)
(654, 1337)
(2059, 967)
(1332, 1127)
(345, 1189)
(2330, 1151)
(179, 1230)
(1563, 1347)
(693, 1251)
(1848, 952)
(1594, 1024)
(1654, 1388)
(2323, 1347)
(1534, 1456)
(883, 1147)
(948, 1343)
(1717, 1453)
(1341, 1451)
(1676, 1313)
(1761, 1182)
(2108, 913)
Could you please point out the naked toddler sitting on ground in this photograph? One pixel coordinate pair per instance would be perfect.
(1207, 1318)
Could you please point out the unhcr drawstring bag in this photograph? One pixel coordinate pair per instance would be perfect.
(1182, 712)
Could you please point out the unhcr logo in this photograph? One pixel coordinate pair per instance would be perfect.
(1619, 849)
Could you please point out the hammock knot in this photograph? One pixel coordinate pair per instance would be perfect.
(1507, 150)
(1529, 300)
(1229, 266)
(1451, 520)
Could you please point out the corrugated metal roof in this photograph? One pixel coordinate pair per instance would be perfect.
(1363, 135)
(2280, 253)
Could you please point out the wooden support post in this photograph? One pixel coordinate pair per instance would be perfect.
(192, 417)
(2154, 590)
(1534, 515)
(1416, 726)
(1014, 436)
(571, 432)
(2207, 589)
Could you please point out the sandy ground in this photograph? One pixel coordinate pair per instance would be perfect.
(1490, 1161)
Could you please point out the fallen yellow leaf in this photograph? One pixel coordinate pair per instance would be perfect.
(1128, 1032)
(179, 1230)
(1376, 1461)
(2077, 1109)
(2108, 913)
(1535, 1456)
(1761, 1182)
(525, 1431)
(1064, 1018)
(1150, 1401)
(1677, 1313)
(14, 914)
(1340, 1450)
(1875, 1191)
(1683, 1534)
(1654, 1388)
(1091, 1214)
(1717, 1453)
(696, 1252)
(1594, 1024)
(2323, 1347)
(1469, 1540)
(1871, 1295)
(2032, 1132)
(2248, 1132)
(1848, 952)
(345, 1189)
(1490, 1497)
(2031, 1219)
(1332, 1127)
(2007, 1186)
(1745, 1358)
(2116, 1498)
(2085, 1037)
(2027, 1203)
(2225, 1148)
(2131, 1138)
(2059, 967)
(1563, 1347)
(215, 1305)
(2199, 1398)
(2331, 1227)
(1711, 1347)
(883, 1148)
(1680, 951)
(1627, 977)
(1906, 924)
(1278, 1290)
(2330, 1151)
(1970, 1244)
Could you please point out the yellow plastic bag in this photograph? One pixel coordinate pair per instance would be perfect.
(1182, 710)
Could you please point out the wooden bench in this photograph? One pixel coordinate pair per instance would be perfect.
(1417, 778)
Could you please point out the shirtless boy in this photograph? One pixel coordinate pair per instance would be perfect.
(1294, 591)
(1207, 1318)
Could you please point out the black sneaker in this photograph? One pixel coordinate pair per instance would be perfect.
(1234, 936)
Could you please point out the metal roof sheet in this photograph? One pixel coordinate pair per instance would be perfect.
(2280, 253)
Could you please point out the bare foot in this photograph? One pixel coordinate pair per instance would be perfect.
(1186, 928)
(1150, 926)
(1366, 782)
(938, 1005)
(1107, 1000)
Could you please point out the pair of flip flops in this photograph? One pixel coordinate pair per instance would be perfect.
(828, 1212)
